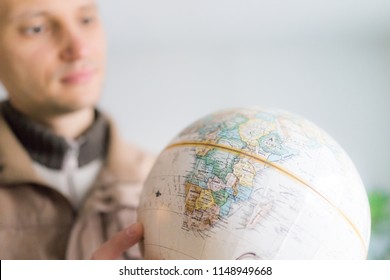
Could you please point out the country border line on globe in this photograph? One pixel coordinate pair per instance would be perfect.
(278, 168)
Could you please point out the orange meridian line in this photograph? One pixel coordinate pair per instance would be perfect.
(277, 167)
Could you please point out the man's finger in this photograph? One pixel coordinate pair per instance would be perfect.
(119, 243)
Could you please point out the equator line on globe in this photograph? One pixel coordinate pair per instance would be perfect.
(273, 165)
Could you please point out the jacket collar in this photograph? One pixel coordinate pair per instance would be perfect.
(49, 149)
(15, 163)
(16, 166)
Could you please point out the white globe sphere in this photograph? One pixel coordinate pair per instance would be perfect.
(252, 183)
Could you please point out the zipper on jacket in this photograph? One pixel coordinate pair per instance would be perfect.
(70, 165)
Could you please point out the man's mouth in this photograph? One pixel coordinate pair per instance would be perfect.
(78, 77)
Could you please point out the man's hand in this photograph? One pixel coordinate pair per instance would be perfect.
(119, 243)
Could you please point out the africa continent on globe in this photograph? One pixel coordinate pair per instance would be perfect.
(252, 183)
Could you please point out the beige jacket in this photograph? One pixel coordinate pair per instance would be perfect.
(37, 222)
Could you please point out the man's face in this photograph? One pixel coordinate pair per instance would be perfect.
(52, 54)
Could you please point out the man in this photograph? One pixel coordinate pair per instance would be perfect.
(68, 184)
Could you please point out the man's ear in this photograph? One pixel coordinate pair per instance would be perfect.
(1, 69)
(1, 78)
(2, 87)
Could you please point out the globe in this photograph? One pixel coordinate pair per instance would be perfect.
(254, 183)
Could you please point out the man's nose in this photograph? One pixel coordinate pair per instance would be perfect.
(74, 47)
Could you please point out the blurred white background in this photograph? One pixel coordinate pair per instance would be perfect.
(174, 61)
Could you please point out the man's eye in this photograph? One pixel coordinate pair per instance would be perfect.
(35, 30)
(87, 20)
